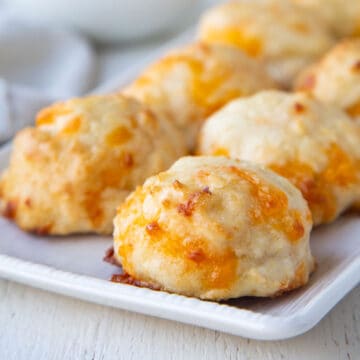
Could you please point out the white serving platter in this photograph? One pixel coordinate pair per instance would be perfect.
(73, 266)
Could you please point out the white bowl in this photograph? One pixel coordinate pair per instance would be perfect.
(108, 20)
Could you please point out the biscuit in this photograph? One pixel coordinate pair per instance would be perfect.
(84, 156)
(343, 16)
(314, 145)
(215, 228)
(190, 83)
(285, 36)
(335, 79)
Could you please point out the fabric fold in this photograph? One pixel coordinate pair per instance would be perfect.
(39, 65)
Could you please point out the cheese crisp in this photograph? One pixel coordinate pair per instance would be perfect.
(189, 84)
(285, 36)
(314, 145)
(68, 174)
(215, 228)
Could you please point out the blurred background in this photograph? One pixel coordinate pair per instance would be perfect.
(51, 50)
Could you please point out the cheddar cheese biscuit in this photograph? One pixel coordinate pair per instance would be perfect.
(314, 145)
(284, 36)
(68, 174)
(215, 228)
(190, 83)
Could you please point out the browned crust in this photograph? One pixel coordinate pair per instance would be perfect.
(188, 207)
(42, 230)
(299, 108)
(356, 66)
(129, 280)
(10, 210)
(110, 258)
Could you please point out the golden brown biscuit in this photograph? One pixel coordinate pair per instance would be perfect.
(215, 228)
(285, 36)
(314, 145)
(335, 79)
(68, 174)
(191, 83)
(342, 15)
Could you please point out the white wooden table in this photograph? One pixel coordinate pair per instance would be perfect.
(37, 325)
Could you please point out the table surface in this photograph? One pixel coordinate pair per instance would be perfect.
(39, 325)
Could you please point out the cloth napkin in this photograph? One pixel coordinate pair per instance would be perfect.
(39, 65)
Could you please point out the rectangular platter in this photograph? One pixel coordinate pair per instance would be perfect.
(73, 266)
